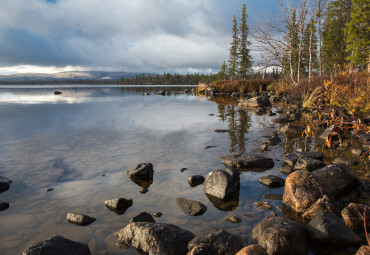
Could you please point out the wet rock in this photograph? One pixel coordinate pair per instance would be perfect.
(271, 181)
(58, 245)
(282, 120)
(353, 217)
(191, 207)
(157, 214)
(291, 159)
(336, 179)
(80, 219)
(209, 92)
(278, 235)
(345, 161)
(222, 130)
(222, 184)
(243, 160)
(57, 92)
(143, 171)
(253, 249)
(327, 228)
(273, 196)
(4, 186)
(118, 205)
(275, 140)
(364, 250)
(233, 219)
(286, 169)
(143, 217)
(203, 249)
(259, 101)
(183, 169)
(3, 206)
(301, 191)
(223, 241)
(262, 205)
(323, 204)
(7, 180)
(292, 130)
(155, 238)
(49, 189)
(195, 180)
(319, 155)
(309, 164)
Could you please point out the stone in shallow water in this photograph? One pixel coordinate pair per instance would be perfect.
(271, 181)
(80, 219)
(222, 184)
(262, 205)
(4, 186)
(143, 171)
(195, 180)
(118, 205)
(143, 217)
(58, 245)
(233, 219)
(191, 207)
(244, 161)
(309, 164)
(3, 206)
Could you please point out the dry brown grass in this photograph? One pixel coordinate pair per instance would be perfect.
(244, 86)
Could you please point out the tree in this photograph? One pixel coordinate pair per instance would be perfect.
(233, 56)
(358, 34)
(245, 61)
(309, 49)
(222, 73)
(338, 15)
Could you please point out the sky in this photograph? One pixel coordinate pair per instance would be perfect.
(156, 36)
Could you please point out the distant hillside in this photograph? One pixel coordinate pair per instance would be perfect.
(78, 76)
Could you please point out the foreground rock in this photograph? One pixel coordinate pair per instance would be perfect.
(195, 180)
(281, 236)
(337, 180)
(223, 241)
(291, 159)
(80, 219)
(118, 205)
(7, 180)
(143, 217)
(203, 249)
(3, 206)
(272, 181)
(301, 191)
(259, 101)
(364, 250)
(191, 207)
(327, 228)
(323, 204)
(244, 161)
(143, 171)
(58, 245)
(222, 184)
(155, 238)
(353, 217)
(254, 249)
(309, 164)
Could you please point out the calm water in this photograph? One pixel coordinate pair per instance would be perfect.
(82, 142)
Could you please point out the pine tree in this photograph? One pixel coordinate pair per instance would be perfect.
(245, 62)
(338, 15)
(358, 34)
(233, 56)
(222, 73)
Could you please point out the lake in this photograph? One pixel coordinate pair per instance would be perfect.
(82, 142)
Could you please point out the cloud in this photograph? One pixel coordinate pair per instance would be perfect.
(125, 35)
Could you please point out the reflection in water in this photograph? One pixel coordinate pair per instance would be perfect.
(229, 204)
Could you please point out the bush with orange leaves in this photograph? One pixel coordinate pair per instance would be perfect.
(350, 90)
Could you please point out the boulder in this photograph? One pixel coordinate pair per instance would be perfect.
(353, 217)
(309, 164)
(278, 235)
(195, 180)
(3, 206)
(327, 228)
(364, 250)
(244, 161)
(203, 249)
(323, 204)
(336, 179)
(259, 101)
(4, 186)
(191, 207)
(118, 205)
(222, 184)
(291, 159)
(80, 219)
(271, 181)
(275, 140)
(58, 245)
(253, 249)
(223, 241)
(292, 130)
(143, 217)
(143, 171)
(301, 191)
(155, 238)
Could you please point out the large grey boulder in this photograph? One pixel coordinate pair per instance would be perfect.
(327, 228)
(58, 245)
(244, 161)
(222, 184)
(191, 207)
(155, 238)
(223, 241)
(278, 235)
(80, 219)
(336, 179)
(259, 101)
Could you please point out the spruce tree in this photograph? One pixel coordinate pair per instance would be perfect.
(245, 62)
(233, 56)
(358, 34)
(222, 73)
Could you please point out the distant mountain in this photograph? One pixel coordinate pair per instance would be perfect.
(85, 75)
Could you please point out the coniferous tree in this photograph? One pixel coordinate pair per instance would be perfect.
(223, 72)
(358, 34)
(245, 61)
(233, 56)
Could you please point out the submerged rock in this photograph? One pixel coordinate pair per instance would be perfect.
(262, 205)
(223, 241)
(272, 181)
(233, 219)
(58, 245)
(244, 161)
(191, 207)
(80, 219)
(278, 235)
(292, 130)
(155, 238)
